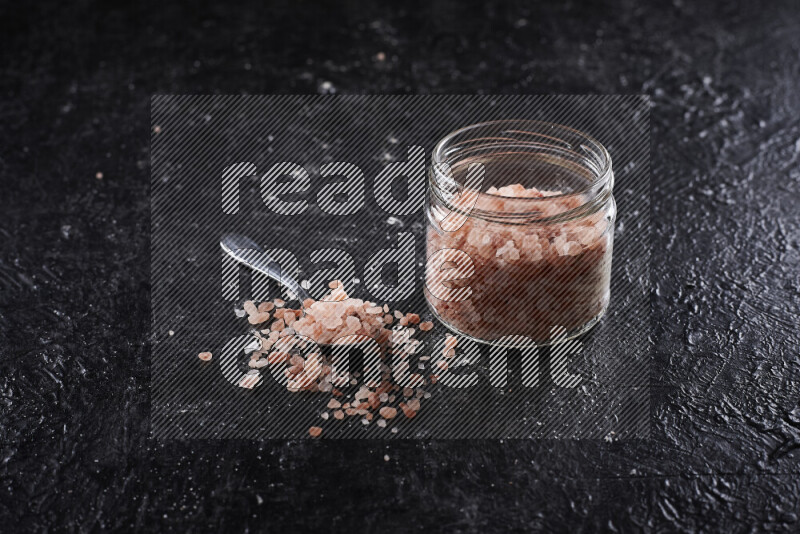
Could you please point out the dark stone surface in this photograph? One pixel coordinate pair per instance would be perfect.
(74, 281)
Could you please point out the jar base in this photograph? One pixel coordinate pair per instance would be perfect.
(572, 334)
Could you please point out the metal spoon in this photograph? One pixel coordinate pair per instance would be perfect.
(248, 252)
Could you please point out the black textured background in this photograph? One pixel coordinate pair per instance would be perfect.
(74, 282)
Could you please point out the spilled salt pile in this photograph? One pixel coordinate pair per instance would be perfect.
(348, 320)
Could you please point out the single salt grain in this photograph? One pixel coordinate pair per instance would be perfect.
(249, 380)
(414, 404)
(386, 458)
(338, 414)
(266, 306)
(353, 323)
(382, 423)
(250, 307)
(408, 412)
(333, 404)
(205, 356)
(373, 400)
(315, 431)
(324, 415)
(387, 412)
(280, 303)
(258, 318)
(427, 325)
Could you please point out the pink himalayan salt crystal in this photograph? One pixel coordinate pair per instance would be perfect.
(249, 380)
(205, 356)
(427, 325)
(258, 318)
(353, 323)
(332, 322)
(527, 278)
(387, 412)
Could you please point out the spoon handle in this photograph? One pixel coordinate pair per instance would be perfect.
(248, 252)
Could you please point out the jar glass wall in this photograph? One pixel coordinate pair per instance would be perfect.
(520, 226)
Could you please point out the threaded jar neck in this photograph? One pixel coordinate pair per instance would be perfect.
(560, 162)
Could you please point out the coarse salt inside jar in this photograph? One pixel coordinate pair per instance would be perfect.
(520, 226)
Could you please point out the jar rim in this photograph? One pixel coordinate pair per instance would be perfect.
(602, 177)
(438, 157)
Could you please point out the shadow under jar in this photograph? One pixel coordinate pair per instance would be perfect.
(520, 227)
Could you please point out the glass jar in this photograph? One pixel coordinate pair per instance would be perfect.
(520, 227)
